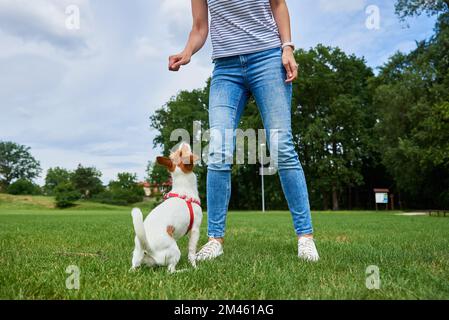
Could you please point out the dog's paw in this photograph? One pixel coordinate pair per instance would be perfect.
(132, 269)
(192, 260)
(178, 271)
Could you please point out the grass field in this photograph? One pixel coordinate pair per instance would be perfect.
(38, 242)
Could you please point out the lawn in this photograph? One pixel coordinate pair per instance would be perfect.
(38, 242)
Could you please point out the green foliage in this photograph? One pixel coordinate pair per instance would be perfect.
(412, 101)
(24, 187)
(55, 177)
(87, 181)
(66, 195)
(157, 174)
(11, 202)
(332, 119)
(16, 162)
(180, 113)
(123, 191)
(246, 177)
(411, 8)
(332, 123)
(353, 131)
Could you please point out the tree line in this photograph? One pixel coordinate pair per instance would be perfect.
(354, 130)
(18, 168)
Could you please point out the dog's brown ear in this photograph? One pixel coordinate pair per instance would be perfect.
(166, 162)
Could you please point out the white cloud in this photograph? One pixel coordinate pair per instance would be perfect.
(178, 16)
(145, 48)
(45, 20)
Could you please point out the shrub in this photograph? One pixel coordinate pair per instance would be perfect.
(24, 187)
(55, 177)
(108, 197)
(120, 197)
(123, 191)
(66, 195)
(87, 181)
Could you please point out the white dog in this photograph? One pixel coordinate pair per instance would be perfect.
(179, 214)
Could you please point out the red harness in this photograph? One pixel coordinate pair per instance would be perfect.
(189, 202)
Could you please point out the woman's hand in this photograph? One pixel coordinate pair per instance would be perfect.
(289, 62)
(176, 61)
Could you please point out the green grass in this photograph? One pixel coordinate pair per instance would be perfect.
(37, 243)
(11, 202)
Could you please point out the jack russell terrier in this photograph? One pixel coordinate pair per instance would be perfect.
(179, 214)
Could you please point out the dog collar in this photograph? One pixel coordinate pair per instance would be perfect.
(189, 202)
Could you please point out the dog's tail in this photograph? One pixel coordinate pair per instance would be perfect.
(139, 228)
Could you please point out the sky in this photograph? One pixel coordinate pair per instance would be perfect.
(83, 93)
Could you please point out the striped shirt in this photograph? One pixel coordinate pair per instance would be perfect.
(241, 27)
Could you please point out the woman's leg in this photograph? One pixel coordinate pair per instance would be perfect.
(273, 97)
(227, 99)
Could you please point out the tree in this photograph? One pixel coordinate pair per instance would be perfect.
(66, 195)
(87, 181)
(56, 176)
(123, 191)
(332, 124)
(16, 162)
(157, 174)
(126, 187)
(125, 181)
(246, 176)
(181, 112)
(23, 187)
(353, 131)
(410, 8)
(412, 102)
(332, 120)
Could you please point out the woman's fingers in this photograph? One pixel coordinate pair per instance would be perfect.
(176, 61)
(289, 70)
(294, 67)
(179, 63)
(172, 61)
(292, 70)
(175, 67)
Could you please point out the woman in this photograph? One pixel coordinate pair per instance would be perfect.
(253, 55)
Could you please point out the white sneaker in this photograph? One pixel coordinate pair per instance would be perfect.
(210, 250)
(307, 249)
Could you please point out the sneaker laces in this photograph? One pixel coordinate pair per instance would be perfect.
(209, 248)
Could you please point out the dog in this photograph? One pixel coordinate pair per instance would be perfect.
(179, 214)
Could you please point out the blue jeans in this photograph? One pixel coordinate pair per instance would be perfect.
(234, 79)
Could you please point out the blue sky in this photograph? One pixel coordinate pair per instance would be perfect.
(85, 96)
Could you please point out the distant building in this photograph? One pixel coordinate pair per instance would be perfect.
(153, 189)
(146, 188)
